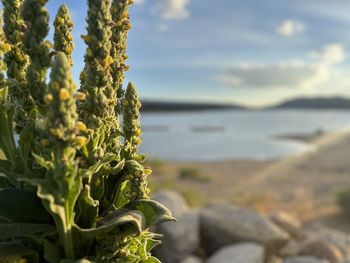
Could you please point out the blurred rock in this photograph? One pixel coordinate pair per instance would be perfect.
(321, 249)
(332, 236)
(305, 260)
(241, 253)
(275, 259)
(192, 259)
(225, 225)
(290, 249)
(180, 239)
(288, 223)
(173, 201)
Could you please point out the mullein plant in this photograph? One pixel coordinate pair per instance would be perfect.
(73, 187)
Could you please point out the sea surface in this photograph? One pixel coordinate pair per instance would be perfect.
(233, 134)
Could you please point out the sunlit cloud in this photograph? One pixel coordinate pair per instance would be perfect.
(173, 9)
(333, 53)
(288, 74)
(291, 74)
(290, 28)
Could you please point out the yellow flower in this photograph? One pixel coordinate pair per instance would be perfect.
(64, 94)
(138, 132)
(81, 126)
(81, 140)
(48, 98)
(5, 47)
(80, 96)
(109, 60)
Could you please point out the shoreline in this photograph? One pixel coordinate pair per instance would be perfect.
(304, 184)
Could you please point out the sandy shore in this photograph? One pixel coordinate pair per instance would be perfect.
(305, 184)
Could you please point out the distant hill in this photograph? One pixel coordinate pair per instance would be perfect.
(315, 103)
(156, 106)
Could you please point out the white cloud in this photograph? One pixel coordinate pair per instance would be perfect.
(138, 2)
(333, 53)
(290, 28)
(288, 74)
(292, 74)
(173, 9)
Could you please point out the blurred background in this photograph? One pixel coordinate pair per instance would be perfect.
(246, 102)
(240, 95)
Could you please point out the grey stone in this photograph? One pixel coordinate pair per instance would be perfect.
(180, 239)
(321, 249)
(224, 225)
(241, 253)
(305, 259)
(192, 259)
(173, 201)
(288, 223)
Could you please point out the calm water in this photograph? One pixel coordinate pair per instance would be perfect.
(225, 135)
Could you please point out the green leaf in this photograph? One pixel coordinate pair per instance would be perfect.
(132, 220)
(154, 212)
(52, 253)
(3, 95)
(41, 161)
(116, 169)
(5, 167)
(26, 140)
(22, 206)
(12, 252)
(152, 243)
(4, 182)
(87, 208)
(121, 197)
(8, 231)
(7, 141)
(151, 260)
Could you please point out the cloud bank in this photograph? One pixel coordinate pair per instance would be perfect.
(290, 74)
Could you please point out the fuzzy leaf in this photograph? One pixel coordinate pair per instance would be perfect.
(7, 142)
(41, 161)
(11, 252)
(132, 220)
(151, 260)
(154, 212)
(4, 182)
(52, 253)
(123, 191)
(22, 206)
(8, 231)
(26, 140)
(5, 167)
(3, 95)
(116, 169)
(87, 208)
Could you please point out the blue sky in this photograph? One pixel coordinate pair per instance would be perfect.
(252, 52)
